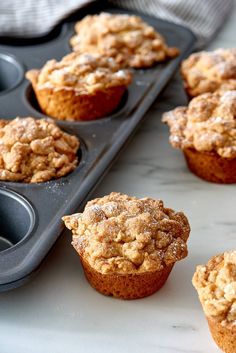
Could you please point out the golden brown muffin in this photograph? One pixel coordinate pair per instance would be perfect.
(127, 39)
(216, 286)
(128, 246)
(209, 71)
(79, 87)
(206, 133)
(34, 151)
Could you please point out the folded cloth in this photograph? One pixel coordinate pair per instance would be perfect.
(34, 18)
(30, 18)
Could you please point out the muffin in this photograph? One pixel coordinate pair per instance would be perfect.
(216, 286)
(128, 246)
(33, 151)
(206, 133)
(79, 87)
(209, 71)
(127, 39)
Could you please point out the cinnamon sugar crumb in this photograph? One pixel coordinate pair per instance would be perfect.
(127, 39)
(210, 71)
(122, 234)
(84, 73)
(207, 124)
(216, 286)
(34, 151)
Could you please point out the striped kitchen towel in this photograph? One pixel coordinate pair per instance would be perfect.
(30, 18)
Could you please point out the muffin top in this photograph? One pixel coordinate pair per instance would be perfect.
(34, 151)
(84, 73)
(128, 39)
(209, 71)
(122, 234)
(216, 286)
(208, 124)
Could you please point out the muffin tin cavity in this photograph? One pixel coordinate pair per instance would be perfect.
(17, 219)
(11, 72)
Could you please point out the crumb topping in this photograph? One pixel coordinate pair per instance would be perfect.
(210, 71)
(122, 234)
(34, 151)
(84, 73)
(127, 39)
(208, 124)
(216, 286)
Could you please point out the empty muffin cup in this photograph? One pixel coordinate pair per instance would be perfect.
(11, 72)
(17, 219)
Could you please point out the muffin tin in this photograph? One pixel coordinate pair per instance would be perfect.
(30, 214)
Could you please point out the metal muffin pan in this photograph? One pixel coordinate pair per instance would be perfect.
(30, 214)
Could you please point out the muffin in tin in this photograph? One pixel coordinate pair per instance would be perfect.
(126, 38)
(34, 151)
(206, 133)
(79, 87)
(204, 72)
(128, 246)
(215, 283)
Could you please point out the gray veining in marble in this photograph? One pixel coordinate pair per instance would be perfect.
(58, 312)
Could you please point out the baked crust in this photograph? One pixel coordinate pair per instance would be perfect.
(66, 104)
(210, 166)
(79, 87)
(209, 71)
(127, 39)
(126, 286)
(224, 337)
(35, 151)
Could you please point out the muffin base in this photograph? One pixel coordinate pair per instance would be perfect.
(224, 337)
(68, 104)
(210, 166)
(130, 286)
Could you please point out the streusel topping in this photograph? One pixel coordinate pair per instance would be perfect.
(84, 73)
(208, 124)
(216, 286)
(35, 150)
(122, 234)
(209, 71)
(127, 39)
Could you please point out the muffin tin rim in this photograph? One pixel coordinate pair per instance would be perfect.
(61, 29)
(18, 64)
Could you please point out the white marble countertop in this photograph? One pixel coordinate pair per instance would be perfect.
(58, 311)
